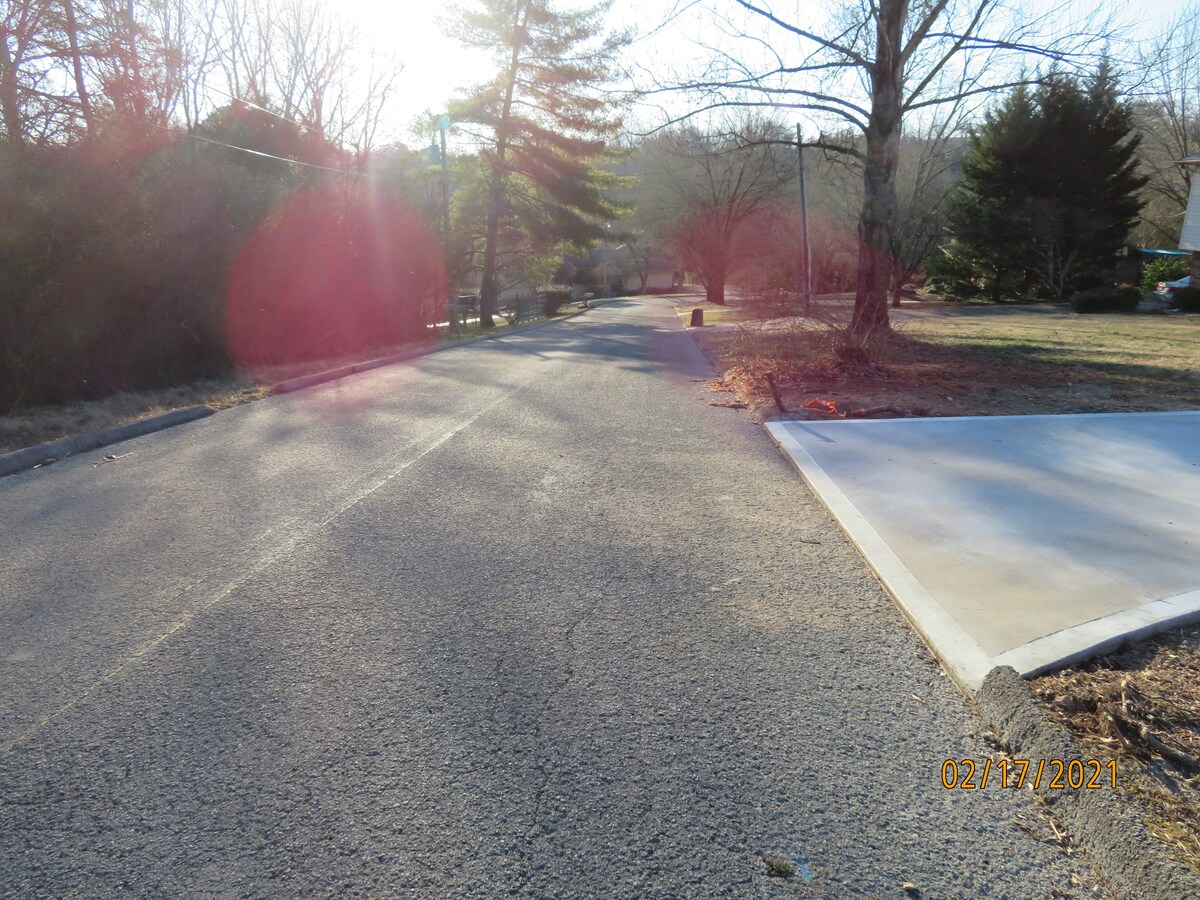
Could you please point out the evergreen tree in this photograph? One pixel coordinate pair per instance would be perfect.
(1050, 188)
(547, 127)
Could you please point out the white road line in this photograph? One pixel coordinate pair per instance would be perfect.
(265, 561)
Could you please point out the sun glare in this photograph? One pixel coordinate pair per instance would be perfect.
(434, 66)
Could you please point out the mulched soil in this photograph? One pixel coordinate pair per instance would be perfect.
(1141, 707)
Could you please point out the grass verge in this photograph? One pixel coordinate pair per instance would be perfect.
(28, 427)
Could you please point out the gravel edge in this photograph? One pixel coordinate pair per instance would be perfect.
(1107, 826)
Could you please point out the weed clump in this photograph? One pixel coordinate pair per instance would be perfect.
(779, 866)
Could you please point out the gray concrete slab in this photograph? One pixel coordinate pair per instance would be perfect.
(1029, 541)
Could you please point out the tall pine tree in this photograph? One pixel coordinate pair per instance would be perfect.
(548, 127)
(1050, 188)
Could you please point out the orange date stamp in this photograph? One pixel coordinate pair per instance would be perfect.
(1055, 774)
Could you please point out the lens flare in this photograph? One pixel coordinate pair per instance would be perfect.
(336, 273)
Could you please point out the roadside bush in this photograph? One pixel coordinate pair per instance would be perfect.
(553, 301)
(1166, 268)
(112, 273)
(138, 271)
(1187, 299)
(1128, 298)
(1106, 299)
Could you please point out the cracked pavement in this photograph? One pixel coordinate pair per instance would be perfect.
(522, 618)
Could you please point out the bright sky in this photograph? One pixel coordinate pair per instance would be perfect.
(436, 66)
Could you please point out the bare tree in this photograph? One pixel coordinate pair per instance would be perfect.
(928, 169)
(21, 25)
(1168, 117)
(876, 63)
(33, 107)
(71, 31)
(703, 189)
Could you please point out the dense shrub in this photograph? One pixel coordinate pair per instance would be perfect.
(112, 274)
(333, 271)
(1187, 299)
(1164, 268)
(175, 262)
(1106, 299)
(554, 300)
(1127, 298)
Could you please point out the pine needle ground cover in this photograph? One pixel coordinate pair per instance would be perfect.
(1141, 707)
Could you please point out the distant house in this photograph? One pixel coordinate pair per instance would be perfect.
(613, 269)
(509, 287)
(599, 271)
(1189, 240)
(1132, 260)
(662, 276)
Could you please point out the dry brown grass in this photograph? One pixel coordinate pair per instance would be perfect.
(47, 423)
(35, 426)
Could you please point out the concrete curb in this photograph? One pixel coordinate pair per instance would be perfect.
(304, 381)
(53, 451)
(1136, 864)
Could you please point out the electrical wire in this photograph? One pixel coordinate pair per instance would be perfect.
(294, 162)
(187, 134)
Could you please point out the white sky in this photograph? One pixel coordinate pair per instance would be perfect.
(436, 66)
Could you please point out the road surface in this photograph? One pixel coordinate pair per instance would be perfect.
(529, 617)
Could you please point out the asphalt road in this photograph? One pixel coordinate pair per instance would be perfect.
(528, 617)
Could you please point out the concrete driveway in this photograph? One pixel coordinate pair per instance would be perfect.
(1029, 541)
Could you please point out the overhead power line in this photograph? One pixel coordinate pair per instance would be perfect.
(285, 159)
(176, 133)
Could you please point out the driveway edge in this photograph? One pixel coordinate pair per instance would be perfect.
(1107, 826)
(53, 451)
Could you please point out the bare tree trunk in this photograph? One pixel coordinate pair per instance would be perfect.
(10, 106)
(85, 101)
(899, 276)
(879, 176)
(135, 63)
(487, 287)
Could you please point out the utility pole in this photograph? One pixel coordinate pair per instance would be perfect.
(451, 294)
(805, 244)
